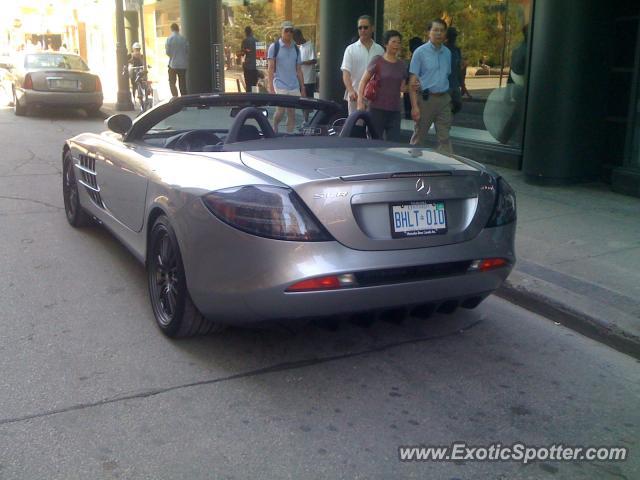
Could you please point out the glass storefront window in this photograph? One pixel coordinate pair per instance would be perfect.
(635, 153)
(265, 18)
(157, 18)
(492, 37)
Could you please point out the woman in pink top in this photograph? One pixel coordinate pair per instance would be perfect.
(392, 76)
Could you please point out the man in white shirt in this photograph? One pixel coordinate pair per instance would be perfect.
(308, 62)
(356, 60)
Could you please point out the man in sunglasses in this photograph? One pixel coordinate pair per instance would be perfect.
(284, 73)
(357, 57)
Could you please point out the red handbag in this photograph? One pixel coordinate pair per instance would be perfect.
(373, 85)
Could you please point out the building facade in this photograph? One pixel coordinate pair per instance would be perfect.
(552, 86)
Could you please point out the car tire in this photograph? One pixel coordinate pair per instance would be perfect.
(76, 215)
(174, 311)
(18, 110)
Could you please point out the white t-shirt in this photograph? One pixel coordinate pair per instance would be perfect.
(308, 52)
(356, 60)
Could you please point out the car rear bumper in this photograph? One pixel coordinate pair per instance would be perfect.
(240, 278)
(60, 99)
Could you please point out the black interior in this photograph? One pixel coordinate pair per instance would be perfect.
(240, 131)
(251, 125)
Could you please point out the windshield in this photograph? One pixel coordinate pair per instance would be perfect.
(55, 60)
(220, 118)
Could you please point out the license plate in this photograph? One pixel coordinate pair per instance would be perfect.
(64, 83)
(417, 218)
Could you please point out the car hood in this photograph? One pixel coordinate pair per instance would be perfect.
(298, 166)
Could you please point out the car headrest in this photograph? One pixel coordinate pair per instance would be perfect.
(248, 132)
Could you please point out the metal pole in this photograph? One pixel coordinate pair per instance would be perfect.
(124, 94)
(504, 44)
(144, 47)
(216, 36)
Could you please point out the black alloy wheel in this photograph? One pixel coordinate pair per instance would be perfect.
(175, 313)
(76, 215)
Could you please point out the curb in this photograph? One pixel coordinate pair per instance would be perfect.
(579, 313)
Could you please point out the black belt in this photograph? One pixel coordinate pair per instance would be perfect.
(426, 94)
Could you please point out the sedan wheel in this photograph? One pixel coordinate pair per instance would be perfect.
(175, 313)
(76, 216)
(18, 109)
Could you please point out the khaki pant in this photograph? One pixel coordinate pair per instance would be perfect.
(436, 110)
(291, 112)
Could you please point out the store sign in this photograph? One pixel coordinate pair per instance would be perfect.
(217, 57)
(261, 55)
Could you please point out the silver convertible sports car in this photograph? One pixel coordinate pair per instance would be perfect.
(239, 220)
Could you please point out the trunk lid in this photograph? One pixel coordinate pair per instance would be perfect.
(63, 80)
(385, 198)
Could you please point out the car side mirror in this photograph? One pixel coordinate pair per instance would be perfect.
(119, 123)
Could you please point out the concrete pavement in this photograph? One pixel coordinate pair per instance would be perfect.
(578, 251)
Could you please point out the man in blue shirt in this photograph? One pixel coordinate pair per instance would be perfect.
(177, 49)
(430, 99)
(284, 73)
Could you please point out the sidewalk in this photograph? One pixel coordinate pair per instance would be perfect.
(578, 251)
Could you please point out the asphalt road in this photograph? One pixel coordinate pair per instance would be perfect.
(90, 389)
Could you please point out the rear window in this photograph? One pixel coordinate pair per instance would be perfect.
(55, 60)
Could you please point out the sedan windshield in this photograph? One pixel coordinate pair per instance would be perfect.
(55, 60)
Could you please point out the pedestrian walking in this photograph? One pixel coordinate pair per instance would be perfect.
(429, 88)
(308, 63)
(455, 79)
(285, 73)
(357, 58)
(391, 75)
(177, 48)
(414, 43)
(249, 68)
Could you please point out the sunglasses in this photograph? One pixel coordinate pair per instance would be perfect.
(288, 30)
(363, 27)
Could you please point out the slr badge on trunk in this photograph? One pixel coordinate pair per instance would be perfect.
(330, 195)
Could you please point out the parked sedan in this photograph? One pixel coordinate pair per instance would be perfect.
(54, 79)
(238, 224)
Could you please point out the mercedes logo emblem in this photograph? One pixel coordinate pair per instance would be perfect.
(420, 187)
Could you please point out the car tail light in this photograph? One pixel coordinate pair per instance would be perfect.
(332, 282)
(504, 211)
(28, 82)
(487, 264)
(266, 211)
(98, 84)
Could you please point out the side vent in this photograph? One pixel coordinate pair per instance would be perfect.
(88, 179)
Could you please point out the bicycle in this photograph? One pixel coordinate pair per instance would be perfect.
(143, 92)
